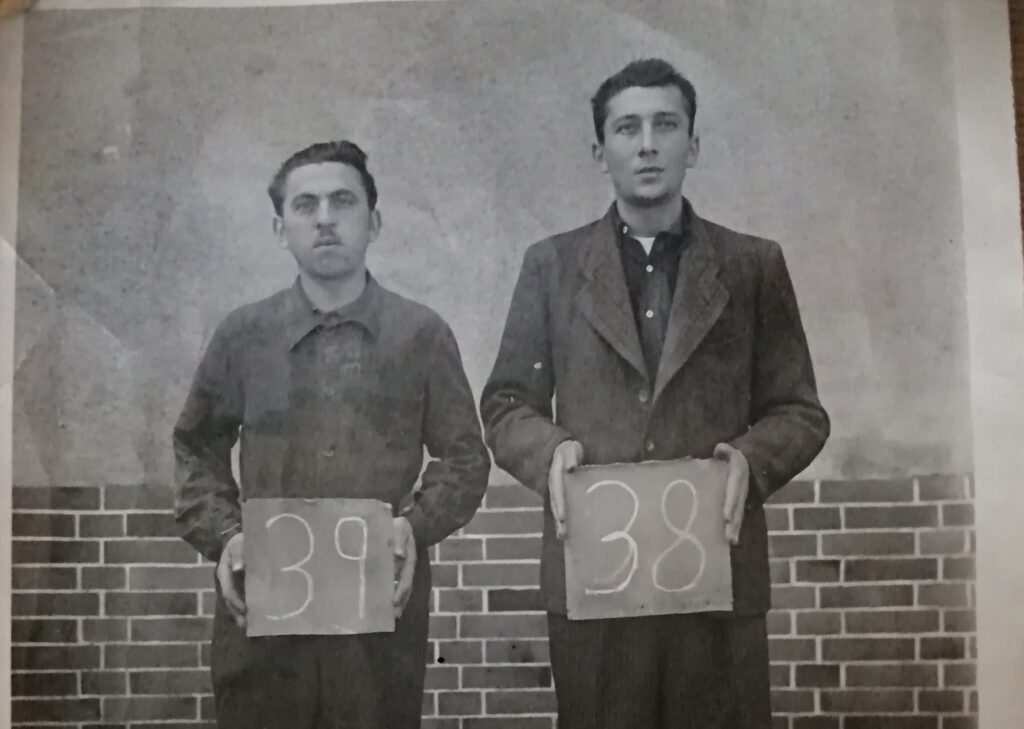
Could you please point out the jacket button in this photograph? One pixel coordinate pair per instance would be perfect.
(650, 446)
(642, 396)
(328, 453)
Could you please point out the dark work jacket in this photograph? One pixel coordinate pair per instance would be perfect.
(735, 368)
(354, 426)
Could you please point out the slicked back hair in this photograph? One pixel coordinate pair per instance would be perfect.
(645, 73)
(342, 151)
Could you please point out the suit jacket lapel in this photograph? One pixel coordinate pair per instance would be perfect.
(696, 305)
(604, 298)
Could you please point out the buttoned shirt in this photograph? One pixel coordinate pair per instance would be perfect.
(651, 280)
(330, 404)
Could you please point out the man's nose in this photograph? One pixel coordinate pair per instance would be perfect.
(324, 213)
(647, 144)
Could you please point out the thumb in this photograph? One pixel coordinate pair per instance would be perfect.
(573, 456)
(401, 537)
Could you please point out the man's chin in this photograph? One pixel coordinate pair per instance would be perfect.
(653, 199)
(329, 273)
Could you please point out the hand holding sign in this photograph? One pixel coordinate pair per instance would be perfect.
(737, 485)
(405, 563)
(231, 576)
(568, 455)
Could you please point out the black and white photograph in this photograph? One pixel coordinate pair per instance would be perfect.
(506, 364)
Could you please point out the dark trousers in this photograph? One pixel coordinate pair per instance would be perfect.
(372, 681)
(663, 672)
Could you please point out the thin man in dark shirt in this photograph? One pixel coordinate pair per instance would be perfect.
(334, 387)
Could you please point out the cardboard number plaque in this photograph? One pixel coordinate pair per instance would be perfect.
(318, 566)
(646, 539)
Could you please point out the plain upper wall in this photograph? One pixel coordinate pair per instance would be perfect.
(148, 138)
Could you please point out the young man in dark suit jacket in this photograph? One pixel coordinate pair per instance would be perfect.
(663, 336)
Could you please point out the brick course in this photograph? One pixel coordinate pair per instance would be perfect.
(873, 623)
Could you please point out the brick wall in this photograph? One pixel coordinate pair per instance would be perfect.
(873, 626)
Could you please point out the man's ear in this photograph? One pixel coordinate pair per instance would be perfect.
(597, 152)
(375, 224)
(694, 152)
(278, 225)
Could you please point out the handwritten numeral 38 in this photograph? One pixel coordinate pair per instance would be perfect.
(630, 563)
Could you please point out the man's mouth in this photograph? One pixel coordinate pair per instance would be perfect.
(649, 170)
(325, 242)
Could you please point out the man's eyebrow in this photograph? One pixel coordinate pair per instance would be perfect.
(340, 192)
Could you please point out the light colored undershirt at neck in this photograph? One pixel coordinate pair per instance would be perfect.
(647, 243)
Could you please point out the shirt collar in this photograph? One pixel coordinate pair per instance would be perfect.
(302, 317)
(678, 230)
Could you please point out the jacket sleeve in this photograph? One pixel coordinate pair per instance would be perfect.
(788, 425)
(206, 500)
(454, 483)
(516, 401)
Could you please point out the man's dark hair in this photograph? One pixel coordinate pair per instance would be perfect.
(342, 151)
(645, 73)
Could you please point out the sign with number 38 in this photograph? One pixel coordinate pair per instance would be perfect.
(646, 539)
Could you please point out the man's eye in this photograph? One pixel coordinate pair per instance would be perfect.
(626, 128)
(304, 205)
(668, 124)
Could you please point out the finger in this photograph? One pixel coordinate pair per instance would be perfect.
(732, 529)
(558, 505)
(556, 489)
(732, 489)
(558, 498)
(404, 602)
(234, 601)
(571, 458)
(404, 586)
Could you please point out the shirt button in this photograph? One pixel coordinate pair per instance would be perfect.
(649, 314)
(650, 446)
(650, 268)
(642, 396)
(328, 453)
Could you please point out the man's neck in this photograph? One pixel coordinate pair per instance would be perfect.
(331, 294)
(649, 221)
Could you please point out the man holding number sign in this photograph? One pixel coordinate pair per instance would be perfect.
(662, 336)
(334, 386)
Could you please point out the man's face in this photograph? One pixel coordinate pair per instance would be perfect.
(326, 221)
(647, 144)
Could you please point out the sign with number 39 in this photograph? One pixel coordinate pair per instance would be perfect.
(318, 566)
(646, 539)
